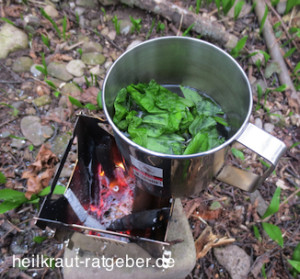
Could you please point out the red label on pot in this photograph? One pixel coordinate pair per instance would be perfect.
(150, 174)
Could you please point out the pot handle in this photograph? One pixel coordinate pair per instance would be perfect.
(262, 143)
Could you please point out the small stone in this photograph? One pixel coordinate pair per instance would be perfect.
(125, 26)
(108, 2)
(79, 11)
(71, 89)
(112, 35)
(76, 68)
(269, 127)
(83, 38)
(35, 72)
(261, 203)
(32, 20)
(58, 113)
(235, 260)
(271, 69)
(276, 117)
(281, 7)
(96, 70)
(30, 111)
(59, 144)
(87, 3)
(34, 131)
(295, 120)
(51, 11)
(258, 56)
(95, 22)
(58, 70)
(134, 44)
(79, 80)
(258, 123)
(42, 100)
(105, 31)
(91, 47)
(22, 64)
(18, 143)
(108, 64)
(11, 39)
(93, 58)
(63, 101)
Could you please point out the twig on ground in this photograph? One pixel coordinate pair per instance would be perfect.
(282, 24)
(274, 49)
(289, 198)
(173, 13)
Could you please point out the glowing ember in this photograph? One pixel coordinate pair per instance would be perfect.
(115, 195)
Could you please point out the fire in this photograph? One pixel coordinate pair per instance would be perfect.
(115, 194)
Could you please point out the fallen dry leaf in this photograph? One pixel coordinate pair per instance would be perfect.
(208, 240)
(89, 95)
(14, 10)
(40, 172)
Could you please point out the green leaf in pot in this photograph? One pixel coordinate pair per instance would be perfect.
(199, 143)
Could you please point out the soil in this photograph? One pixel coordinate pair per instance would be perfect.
(229, 211)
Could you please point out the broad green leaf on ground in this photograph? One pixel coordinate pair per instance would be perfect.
(295, 265)
(39, 239)
(58, 190)
(238, 153)
(274, 204)
(11, 195)
(2, 178)
(75, 102)
(274, 233)
(9, 205)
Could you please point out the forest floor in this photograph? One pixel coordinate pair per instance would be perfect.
(88, 37)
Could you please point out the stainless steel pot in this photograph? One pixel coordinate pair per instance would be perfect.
(203, 66)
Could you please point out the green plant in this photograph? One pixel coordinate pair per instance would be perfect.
(116, 24)
(43, 69)
(238, 8)
(15, 111)
(79, 50)
(2, 178)
(46, 41)
(235, 52)
(295, 261)
(77, 18)
(186, 32)
(237, 153)
(160, 27)
(39, 239)
(136, 24)
(273, 231)
(31, 147)
(64, 29)
(263, 20)
(7, 20)
(78, 104)
(13, 199)
(45, 15)
(151, 29)
(99, 100)
(198, 4)
(290, 4)
(227, 5)
(290, 52)
(53, 87)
